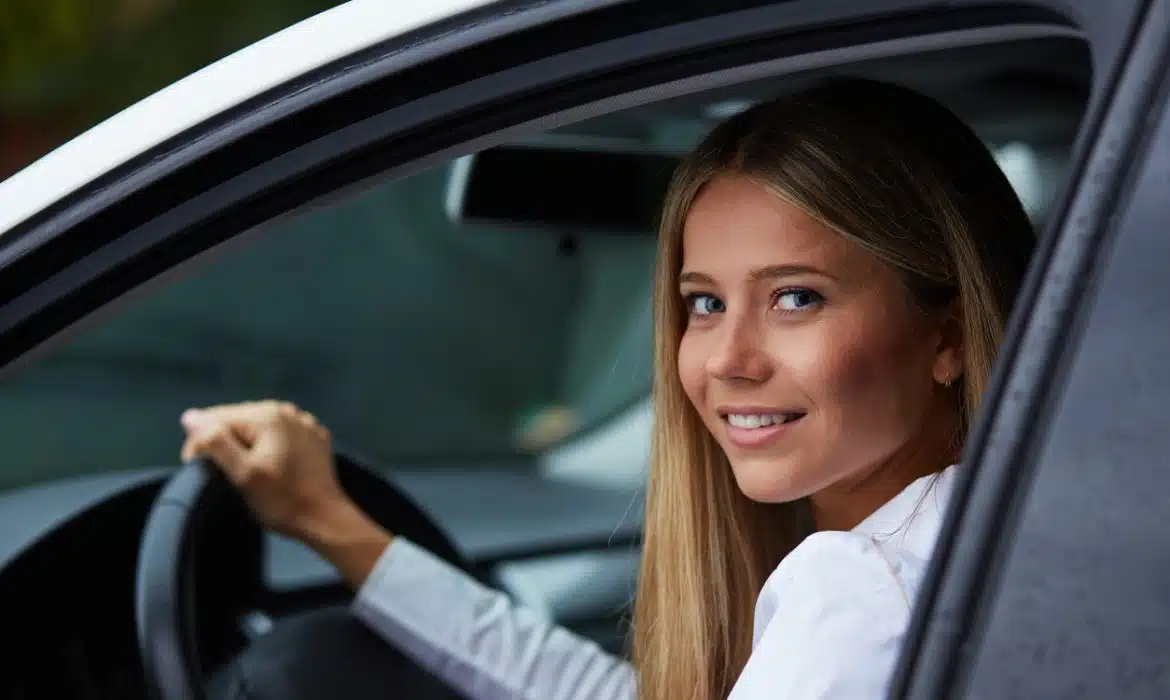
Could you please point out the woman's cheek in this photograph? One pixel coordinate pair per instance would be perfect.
(813, 356)
(690, 366)
(862, 382)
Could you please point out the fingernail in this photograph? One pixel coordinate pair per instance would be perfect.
(191, 419)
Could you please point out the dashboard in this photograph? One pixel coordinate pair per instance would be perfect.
(68, 555)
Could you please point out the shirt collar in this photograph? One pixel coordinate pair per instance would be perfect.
(914, 516)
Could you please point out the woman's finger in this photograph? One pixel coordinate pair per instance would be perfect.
(218, 442)
(247, 420)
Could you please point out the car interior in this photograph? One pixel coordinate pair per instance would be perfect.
(480, 332)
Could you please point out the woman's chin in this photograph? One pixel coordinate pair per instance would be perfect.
(770, 479)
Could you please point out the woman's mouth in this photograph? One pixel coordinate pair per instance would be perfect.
(758, 429)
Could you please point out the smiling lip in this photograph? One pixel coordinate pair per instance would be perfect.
(756, 437)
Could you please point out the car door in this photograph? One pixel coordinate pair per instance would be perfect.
(1051, 580)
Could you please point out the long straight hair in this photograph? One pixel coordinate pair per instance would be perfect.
(891, 171)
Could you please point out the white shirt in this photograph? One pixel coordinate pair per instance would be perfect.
(828, 623)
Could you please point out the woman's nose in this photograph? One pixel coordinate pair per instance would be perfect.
(738, 352)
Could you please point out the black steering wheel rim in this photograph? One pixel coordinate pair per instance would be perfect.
(164, 591)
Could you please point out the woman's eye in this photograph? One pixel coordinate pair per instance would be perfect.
(797, 299)
(704, 304)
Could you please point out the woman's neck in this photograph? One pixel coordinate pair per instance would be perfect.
(843, 506)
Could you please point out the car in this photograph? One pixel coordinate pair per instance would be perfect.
(432, 224)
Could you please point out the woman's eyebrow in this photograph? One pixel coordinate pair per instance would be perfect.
(694, 278)
(775, 271)
(762, 273)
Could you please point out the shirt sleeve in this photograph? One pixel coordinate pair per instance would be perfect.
(477, 640)
(830, 622)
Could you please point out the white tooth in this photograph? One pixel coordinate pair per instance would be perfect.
(741, 420)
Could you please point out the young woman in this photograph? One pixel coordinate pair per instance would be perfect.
(834, 275)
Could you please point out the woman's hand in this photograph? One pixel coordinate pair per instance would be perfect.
(281, 460)
(278, 456)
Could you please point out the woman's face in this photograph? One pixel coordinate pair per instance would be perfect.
(802, 352)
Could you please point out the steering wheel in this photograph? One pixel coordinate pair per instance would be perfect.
(196, 500)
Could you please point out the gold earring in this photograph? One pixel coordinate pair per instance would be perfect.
(947, 380)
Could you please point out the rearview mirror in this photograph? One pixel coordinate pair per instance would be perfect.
(565, 189)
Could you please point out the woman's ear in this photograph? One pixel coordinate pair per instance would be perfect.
(948, 360)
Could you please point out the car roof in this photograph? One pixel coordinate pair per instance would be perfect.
(229, 82)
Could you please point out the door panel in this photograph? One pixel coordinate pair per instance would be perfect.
(1084, 603)
(1047, 592)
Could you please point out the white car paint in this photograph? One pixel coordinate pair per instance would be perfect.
(303, 47)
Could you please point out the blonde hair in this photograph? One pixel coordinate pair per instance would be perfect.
(895, 173)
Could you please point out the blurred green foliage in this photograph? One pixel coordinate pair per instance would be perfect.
(91, 58)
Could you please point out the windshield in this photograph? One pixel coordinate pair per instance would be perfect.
(413, 339)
